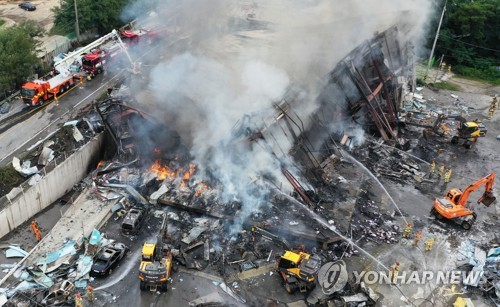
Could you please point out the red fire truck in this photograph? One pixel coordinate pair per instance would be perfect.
(98, 60)
(62, 77)
(143, 35)
(39, 91)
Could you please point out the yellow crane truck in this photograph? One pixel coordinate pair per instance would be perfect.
(156, 263)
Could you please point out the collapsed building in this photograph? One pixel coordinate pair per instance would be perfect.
(311, 199)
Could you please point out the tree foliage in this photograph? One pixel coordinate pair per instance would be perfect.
(100, 15)
(18, 58)
(470, 37)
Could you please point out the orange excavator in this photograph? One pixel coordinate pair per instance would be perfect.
(454, 207)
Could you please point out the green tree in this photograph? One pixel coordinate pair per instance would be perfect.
(18, 58)
(100, 15)
(470, 37)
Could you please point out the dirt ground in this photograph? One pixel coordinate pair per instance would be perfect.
(12, 14)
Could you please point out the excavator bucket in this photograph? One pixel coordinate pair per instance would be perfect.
(487, 199)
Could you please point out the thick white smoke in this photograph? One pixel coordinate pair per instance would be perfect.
(232, 58)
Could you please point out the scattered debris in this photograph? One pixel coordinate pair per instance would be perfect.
(25, 169)
(15, 252)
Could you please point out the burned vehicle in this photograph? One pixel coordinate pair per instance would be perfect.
(133, 221)
(107, 259)
(59, 293)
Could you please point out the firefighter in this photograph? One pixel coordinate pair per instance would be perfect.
(394, 272)
(90, 294)
(447, 175)
(491, 111)
(78, 300)
(407, 231)
(418, 237)
(36, 231)
(432, 168)
(429, 243)
(441, 170)
(443, 66)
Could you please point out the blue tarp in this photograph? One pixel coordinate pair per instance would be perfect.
(81, 284)
(494, 252)
(42, 279)
(95, 238)
(68, 248)
(15, 252)
(83, 267)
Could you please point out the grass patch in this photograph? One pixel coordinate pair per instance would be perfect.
(495, 81)
(488, 74)
(9, 178)
(444, 86)
(2, 22)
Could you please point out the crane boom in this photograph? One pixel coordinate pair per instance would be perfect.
(63, 65)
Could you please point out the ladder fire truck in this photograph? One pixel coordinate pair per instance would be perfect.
(37, 92)
(105, 55)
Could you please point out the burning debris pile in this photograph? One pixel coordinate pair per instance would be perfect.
(235, 200)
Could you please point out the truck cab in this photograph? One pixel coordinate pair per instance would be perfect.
(101, 59)
(35, 93)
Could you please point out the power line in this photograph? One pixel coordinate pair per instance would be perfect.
(477, 46)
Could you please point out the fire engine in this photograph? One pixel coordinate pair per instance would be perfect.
(39, 91)
(143, 32)
(62, 77)
(143, 35)
(98, 60)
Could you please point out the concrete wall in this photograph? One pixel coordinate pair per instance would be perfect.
(56, 183)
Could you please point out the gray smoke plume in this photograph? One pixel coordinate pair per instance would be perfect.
(227, 59)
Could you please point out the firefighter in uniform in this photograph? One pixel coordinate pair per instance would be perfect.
(447, 175)
(394, 271)
(407, 231)
(429, 243)
(491, 110)
(418, 237)
(432, 168)
(78, 300)
(36, 231)
(441, 170)
(90, 294)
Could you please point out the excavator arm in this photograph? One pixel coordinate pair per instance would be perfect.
(487, 198)
(442, 118)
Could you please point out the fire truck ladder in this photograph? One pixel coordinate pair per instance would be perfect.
(63, 65)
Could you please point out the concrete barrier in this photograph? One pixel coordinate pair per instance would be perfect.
(54, 184)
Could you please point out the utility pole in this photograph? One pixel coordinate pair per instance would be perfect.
(77, 25)
(435, 41)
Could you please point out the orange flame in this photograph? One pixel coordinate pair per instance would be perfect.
(100, 163)
(200, 189)
(162, 171)
(187, 175)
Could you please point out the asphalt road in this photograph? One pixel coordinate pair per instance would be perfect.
(45, 122)
(121, 288)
